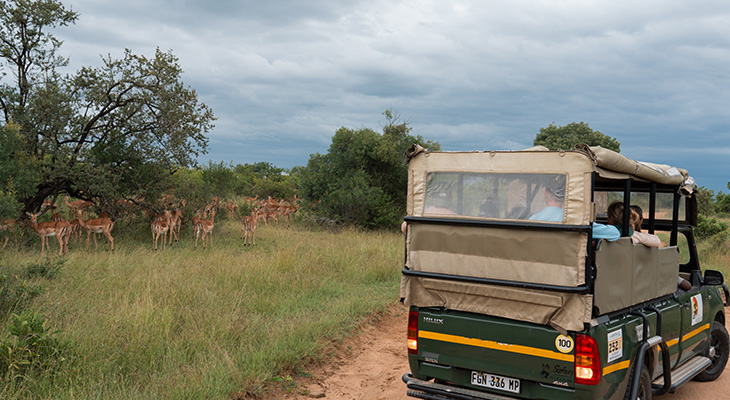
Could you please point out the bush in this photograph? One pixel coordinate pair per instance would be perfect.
(29, 348)
(707, 227)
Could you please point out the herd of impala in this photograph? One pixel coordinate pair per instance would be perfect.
(162, 225)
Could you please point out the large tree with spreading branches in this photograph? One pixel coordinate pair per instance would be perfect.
(115, 131)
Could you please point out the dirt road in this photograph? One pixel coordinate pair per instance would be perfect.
(370, 366)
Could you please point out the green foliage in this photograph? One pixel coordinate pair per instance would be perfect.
(30, 347)
(15, 294)
(47, 268)
(362, 180)
(705, 201)
(566, 137)
(722, 202)
(708, 227)
(114, 132)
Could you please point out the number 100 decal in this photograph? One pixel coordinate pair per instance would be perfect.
(564, 344)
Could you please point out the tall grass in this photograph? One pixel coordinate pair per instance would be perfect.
(215, 324)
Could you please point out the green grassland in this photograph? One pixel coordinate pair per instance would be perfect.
(226, 322)
(182, 323)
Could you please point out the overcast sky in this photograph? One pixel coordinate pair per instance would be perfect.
(283, 76)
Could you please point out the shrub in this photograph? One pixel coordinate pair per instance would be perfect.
(707, 227)
(29, 348)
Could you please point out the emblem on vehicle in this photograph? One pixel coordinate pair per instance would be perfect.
(696, 301)
(564, 344)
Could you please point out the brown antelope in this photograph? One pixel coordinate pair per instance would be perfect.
(231, 208)
(175, 224)
(288, 212)
(59, 229)
(75, 229)
(76, 205)
(97, 225)
(270, 212)
(251, 200)
(205, 226)
(248, 229)
(9, 226)
(159, 228)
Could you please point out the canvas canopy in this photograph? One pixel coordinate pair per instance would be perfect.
(506, 189)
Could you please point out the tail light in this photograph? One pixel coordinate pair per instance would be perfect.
(587, 361)
(413, 332)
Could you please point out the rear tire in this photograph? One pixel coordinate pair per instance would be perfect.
(645, 392)
(718, 352)
(644, 386)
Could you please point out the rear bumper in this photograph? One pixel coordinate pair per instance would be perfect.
(435, 391)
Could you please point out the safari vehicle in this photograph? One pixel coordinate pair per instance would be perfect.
(503, 305)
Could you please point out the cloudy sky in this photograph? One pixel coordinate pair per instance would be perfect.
(283, 75)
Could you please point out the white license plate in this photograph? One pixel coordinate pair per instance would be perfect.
(495, 382)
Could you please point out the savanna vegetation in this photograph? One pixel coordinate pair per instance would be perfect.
(226, 322)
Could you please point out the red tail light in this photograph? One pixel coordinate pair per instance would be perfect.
(413, 332)
(587, 361)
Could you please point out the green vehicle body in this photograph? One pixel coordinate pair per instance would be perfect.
(665, 338)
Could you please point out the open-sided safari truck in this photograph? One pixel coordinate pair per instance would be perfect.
(512, 295)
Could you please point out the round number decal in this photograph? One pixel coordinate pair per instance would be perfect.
(564, 344)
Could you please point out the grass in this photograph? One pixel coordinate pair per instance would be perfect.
(215, 324)
(228, 322)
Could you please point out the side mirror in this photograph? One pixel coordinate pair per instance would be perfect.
(714, 277)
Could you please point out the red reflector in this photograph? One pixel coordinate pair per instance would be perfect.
(587, 361)
(413, 332)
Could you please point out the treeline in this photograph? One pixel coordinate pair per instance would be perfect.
(712, 207)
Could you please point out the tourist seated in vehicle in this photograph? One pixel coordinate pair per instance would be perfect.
(555, 197)
(438, 200)
(647, 239)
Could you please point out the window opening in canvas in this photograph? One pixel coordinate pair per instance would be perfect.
(539, 197)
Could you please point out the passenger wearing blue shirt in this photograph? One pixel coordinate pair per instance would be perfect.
(554, 198)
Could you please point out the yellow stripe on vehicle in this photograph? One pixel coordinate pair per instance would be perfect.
(489, 344)
(616, 367)
(625, 364)
(696, 331)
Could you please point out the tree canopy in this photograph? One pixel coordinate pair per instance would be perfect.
(115, 131)
(566, 137)
(362, 180)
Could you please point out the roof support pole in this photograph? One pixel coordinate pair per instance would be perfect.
(627, 205)
(652, 208)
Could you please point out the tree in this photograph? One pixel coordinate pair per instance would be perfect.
(362, 180)
(705, 201)
(722, 202)
(566, 137)
(117, 131)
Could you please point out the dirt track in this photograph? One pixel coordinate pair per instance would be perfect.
(370, 366)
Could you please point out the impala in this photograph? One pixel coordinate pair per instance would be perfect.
(175, 224)
(205, 226)
(96, 225)
(248, 230)
(288, 212)
(76, 205)
(59, 229)
(159, 228)
(9, 226)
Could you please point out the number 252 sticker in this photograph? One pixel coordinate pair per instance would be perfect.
(615, 345)
(564, 344)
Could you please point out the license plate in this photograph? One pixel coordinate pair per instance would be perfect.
(495, 382)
